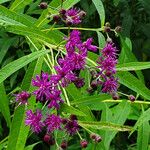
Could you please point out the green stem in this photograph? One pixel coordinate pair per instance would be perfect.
(119, 101)
(4, 140)
(123, 94)
(79, 135)
(66, 97)
(44, 105)
(76, 28)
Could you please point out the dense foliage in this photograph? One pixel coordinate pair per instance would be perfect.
(74, 74)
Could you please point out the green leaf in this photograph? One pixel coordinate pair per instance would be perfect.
(133, 66)
(143, 136)
(72, 91)
(117, 115)
(71, 110)
(104, 126)
(126, 55)
(19, 4)
(101, 39)
(12, 18)
(30, 147)
(19, 131)
(4, 104)
(12, 67)
(6, 44)
(144, 117)
(50, 38)
(134, 84)
(3, 1)
(69, 3)
(100, 8)
(91, 99)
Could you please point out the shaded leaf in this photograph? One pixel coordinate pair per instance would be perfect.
(12, 67)
(4, 104)
(104, 125)
(134, 84)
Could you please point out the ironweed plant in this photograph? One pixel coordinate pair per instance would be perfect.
(62, 88)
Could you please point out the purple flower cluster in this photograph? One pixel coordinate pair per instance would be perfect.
(72, 16)
(47, 85)
(107, 65)
(34, 120)
(22, 97)
(52, 122)
(74, 60)
(47, 91)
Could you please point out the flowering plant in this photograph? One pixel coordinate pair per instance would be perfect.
(72, 92)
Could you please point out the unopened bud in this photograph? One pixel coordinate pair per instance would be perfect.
(62, 12)
(131, 98)
(47, 138)
(107, 24)
(118, 29)
(73, 117)
(64, 145)
(93, 136)
(83, 143)
(98, 139)
(90, 90)
(43, 5)
(107, 29)
(56, 18)
(94, 84)
(115, 96)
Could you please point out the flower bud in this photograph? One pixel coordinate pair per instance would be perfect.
(56, 18)
(131, 98)
(43, 5)
(107, 24)
(93, 136)
(68, 23)
(73, 117)
(79, 82)
(118, 29)
(62, 12)
(90, 90)
(64, 145)
(107, 29)
(115, 96)
(98, 139)
(64, 121)
(82, 14)
(83, 143)
(47, 138)
(94, 84)
(51, 142)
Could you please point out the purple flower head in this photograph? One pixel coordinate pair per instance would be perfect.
(88, 45)
(76, 61)
(107, 64)
(110, 85)
(73, 16)
(22, 97)
(73, 41)
(64, 75)
(72, 127)
(55, 99)
(34, 120)
(79, 82)
(109, 50)
(53, 122)
(43, 84)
